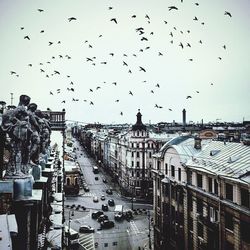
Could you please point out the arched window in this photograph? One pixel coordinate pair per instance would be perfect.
(76, 181)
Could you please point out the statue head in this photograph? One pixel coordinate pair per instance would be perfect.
(32, 107)
(24, 100)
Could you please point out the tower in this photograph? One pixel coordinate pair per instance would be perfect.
(184, 117)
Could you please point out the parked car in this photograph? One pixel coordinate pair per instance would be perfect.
(95, 199)
(107, 224)
(96, 214)
(109, 191)
(105, 207)
(102, 217)
(111, 202)
(103, 197)
(96, 178)
(86, 229)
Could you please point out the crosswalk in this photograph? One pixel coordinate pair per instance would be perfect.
(134, 228)
(86, 240)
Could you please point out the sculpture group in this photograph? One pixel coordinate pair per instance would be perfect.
(27, 131)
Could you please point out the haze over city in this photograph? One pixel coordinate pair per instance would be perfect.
(101, 61)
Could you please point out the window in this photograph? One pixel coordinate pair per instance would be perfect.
(229, 221)
(172, 171)
(244, 231)
(132, 163)
(138, 133)
(215, 186)
(200, 230)
(213, 214)
(137, 154)
(76, 181)
(150, 155)
(179, 174)
(244, 194)
(137, 174)
(199, 206)
(68, 181)
(166, 168)
(229, 192)
(210, 185)
(158, 165)
(137, 145)
(132, 154)
(132, 173)
(199, 180)
(137, 164)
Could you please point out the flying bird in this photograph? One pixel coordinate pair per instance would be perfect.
(22, 28)
(121, 113)
(195, 18)
(228, 14)
(91, 90)
(71, 19)
(113, 20)
(27, 37)
(170, 109)
(42, 31)
(114, 83)
(12, 72)
(160, 54)
(172, 8)
(152, 91)
(50, 43)
(125, 64)
(91, 103)
(40, 10)
(63, 101)
(188, 45)
(134, 16)
(56, 72)
(117, 100)
(142, 69)
(157, 85)
(197, 92)
(51, 93)
(144, 39)
(181, 45)
(188, 97)
(130, 93)
(224, 46)
(156, 106)
(98, 87)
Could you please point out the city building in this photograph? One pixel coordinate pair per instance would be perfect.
(201, 195)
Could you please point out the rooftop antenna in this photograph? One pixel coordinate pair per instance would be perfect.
(11, 98)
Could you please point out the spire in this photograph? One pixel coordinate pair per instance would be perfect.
(139, 125)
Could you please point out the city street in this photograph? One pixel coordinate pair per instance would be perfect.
(125, 234)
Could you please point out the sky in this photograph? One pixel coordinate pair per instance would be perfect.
(154, 59)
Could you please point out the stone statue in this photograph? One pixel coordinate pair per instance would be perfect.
(16, 124)
(35, 136)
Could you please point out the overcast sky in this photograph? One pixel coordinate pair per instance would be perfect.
(212, 67)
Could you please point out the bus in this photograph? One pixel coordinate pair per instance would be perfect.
(95, 170)
(71, 236)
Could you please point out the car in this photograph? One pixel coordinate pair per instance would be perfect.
(111, 202)
(118, 216)
(86, 229)
(96, 178)
(105, 207)
(107, 224)
(96, 214)
(109, 191)
(95, 199)
(103, 197)
(86, 189)
(102, 217)
(104, 180)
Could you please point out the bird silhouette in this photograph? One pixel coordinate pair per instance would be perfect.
(147, 17)
(56, 72)
(160, 54)
(91, 103)
(72, 89)
(42, 70)
(113, 20)
(27, 37)
(147, 47)
(224, 46)
(51, 93)
(219, 58)
(30, 65)
(98, 87)
(181, 45)
(50, 43)
(40, 10)
(195, 18)
(188, 45)
(157, 85)
(89, 59)
(171, 34)
(152, 91)
(63, 101)
(130, 71)
(188, 97)
(42, 31)
(142, 69)
(91, 90)
(71, 19)
(197, 4)
(114, 83)
(130, 93)
(156, 106)
(121, 113)
(165, 22)
(228, 14)
(110, 8)
(172, 8)
(134, 16)
(144, 39)
(197, 92)
(112, 54)
(12, 72)
(117, 100)
(125, 64)
(170, 109)
(22, 28)
(71, 83)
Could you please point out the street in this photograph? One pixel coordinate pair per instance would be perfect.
(125, 234)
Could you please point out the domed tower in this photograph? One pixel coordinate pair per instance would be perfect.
(139, 125)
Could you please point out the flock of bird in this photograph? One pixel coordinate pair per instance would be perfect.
(144, 38)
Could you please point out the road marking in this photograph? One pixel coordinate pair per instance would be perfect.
(134, 227)
(87, 241)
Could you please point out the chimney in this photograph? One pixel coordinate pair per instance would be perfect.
(197, 142)
(184, 117)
